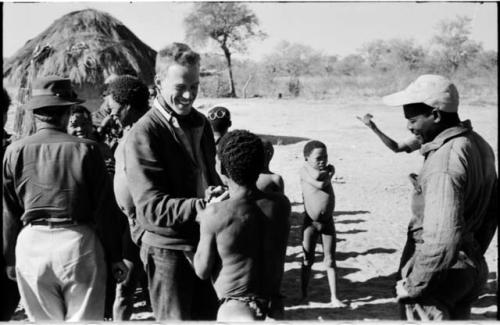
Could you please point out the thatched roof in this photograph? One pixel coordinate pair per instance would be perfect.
(87, 46)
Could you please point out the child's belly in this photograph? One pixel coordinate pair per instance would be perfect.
(319, 204)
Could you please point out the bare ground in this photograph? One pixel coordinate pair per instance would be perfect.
(372, 191)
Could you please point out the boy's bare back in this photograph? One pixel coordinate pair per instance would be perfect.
(251, 235)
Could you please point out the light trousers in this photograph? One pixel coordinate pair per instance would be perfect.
(61, 273)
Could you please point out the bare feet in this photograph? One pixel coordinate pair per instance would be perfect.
(335, 303)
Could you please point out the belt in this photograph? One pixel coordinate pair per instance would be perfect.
(62, 223)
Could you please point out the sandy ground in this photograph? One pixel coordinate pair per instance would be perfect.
(372, 191)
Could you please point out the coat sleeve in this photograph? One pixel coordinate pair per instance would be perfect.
(12, 212)
(155, 206)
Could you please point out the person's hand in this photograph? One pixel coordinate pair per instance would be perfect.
(220, 198)
(10, 270)
(119, 271)
(110, 165)
(331, 171)
(401, 292)
(367, 120)
(213, 191)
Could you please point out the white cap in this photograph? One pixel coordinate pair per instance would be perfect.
(433, 90)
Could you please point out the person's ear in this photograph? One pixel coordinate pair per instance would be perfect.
(230, 124)
(436, 115)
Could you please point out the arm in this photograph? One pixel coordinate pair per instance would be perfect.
(390, 143)
(145, 172)
(442, 230)
(306, 177)
(12, 212)
(206, 252)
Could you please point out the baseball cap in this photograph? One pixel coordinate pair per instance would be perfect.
(433, 90)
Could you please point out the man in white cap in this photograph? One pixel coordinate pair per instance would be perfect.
(57, 203)
(454, 205)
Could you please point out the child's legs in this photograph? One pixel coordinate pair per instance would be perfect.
(329, 247)
(309, 238)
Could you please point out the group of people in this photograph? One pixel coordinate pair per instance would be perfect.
(152, 192)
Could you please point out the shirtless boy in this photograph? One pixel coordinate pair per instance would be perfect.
(319, 203)
(269, 181)
(243, 239)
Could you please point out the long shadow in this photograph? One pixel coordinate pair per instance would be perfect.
(282, 140)
(380, 250)
(352, 231)
(349, 213)
(347, 222)
(318, 289)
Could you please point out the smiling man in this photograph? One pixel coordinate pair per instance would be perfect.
(454, 205)
(170, 163)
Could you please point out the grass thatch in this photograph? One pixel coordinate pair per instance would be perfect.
(87, 46)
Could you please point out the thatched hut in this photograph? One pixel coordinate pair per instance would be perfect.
(87, 46)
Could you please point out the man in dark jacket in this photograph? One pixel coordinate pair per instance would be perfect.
(170, 163)
(58, 201)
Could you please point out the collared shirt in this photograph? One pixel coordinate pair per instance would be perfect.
(454, 207)
(191, 139)
(55, 176)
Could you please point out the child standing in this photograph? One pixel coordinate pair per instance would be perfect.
(319, 203)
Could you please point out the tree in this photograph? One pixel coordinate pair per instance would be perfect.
(229, 24)
(454, 46)
(396, 53)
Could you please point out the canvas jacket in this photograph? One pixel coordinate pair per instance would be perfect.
(454, 208)
(162, 179)
(53, 175)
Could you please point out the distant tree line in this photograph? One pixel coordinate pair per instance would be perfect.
(294, 69)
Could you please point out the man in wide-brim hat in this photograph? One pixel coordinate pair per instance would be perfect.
(58, 201)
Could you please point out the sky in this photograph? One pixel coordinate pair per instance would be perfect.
(335, 28)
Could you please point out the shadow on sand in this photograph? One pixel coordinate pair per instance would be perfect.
(281, 140)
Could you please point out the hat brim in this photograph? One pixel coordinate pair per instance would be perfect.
(42, 101)
(401, 98)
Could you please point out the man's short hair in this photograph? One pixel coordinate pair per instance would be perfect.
(178, 53)
(5, 101)
(311, 145)
(242, 156)
(51, 114)
(411, 110)
(129, 90)
(219, 118)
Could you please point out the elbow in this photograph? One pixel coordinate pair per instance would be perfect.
(202, 274)
(201, 271)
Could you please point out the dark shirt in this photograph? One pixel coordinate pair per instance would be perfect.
(162, 178)
(56, 176)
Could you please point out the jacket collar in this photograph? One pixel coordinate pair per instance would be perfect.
(444, 136)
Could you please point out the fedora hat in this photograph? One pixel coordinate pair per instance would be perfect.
(52, 91)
